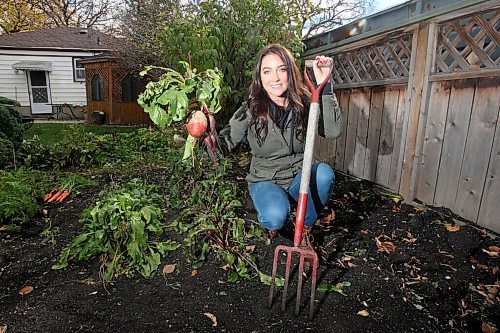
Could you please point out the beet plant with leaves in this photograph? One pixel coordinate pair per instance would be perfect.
(210, 215)
(123, 229)
(167, 100)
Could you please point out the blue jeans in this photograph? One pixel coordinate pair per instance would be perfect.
(273, 205)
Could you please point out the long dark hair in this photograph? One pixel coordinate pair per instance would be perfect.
(297, 94)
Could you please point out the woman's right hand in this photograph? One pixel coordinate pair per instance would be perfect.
(322, 68)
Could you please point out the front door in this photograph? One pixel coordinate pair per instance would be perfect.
(39, 89)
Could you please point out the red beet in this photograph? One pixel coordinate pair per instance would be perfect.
(197, 125)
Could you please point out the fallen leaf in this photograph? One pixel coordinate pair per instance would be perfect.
(491, 253)
(3, 328)
(451, 227)
(25, 290)
(494, 248)
(486, 328)
(363, 313)
(493, 291)
(169, 269)
(93, 293)
(384, 246)
(194, 272)
(3, 228)
(212, 318)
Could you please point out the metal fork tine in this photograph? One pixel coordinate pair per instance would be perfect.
(313, 286)
(287, 280)
(273, 277)
(299, 286)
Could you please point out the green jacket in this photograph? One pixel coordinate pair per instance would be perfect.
(273, 161)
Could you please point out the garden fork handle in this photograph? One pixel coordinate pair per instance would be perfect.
(308, 157)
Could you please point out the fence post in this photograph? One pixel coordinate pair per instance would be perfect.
(415, 93)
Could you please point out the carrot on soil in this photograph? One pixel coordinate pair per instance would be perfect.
(50, 194)
(55, 196)
(63, 196)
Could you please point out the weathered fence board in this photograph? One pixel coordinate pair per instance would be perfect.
(374, 128)
(489, 212)
(478, 148)
(362, 100)
(352, 126)
(452, 155)
(386, 147)
(341, 141)
(397, 157)
(433, 140)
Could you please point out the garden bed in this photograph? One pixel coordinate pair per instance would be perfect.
(390, 267)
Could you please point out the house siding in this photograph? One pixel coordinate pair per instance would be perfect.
(62, 85)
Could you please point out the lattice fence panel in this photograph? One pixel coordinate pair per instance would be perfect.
(469, 44)
(384, 60)
(119, 73)
(89, 74)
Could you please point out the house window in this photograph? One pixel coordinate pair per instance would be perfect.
(131, 88)
(78, 70)
(97, 88)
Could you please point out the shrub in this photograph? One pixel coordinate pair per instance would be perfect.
(11, 125)
(9, 101)
(6, 152)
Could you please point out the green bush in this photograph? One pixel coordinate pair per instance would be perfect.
(6, 152)
(11, 125)
(9, 101)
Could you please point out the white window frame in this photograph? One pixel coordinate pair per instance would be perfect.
(77, 70)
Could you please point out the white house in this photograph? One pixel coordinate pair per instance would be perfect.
(42, 71)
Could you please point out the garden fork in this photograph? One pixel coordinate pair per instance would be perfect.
(304, 254)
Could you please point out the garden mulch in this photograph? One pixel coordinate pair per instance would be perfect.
(397, 268)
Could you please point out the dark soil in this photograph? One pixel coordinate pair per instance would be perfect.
(434, 279)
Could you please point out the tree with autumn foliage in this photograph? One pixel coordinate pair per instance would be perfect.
(28, 15)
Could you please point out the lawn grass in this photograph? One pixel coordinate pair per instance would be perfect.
(50, 133)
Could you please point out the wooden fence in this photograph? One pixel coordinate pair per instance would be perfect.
(421, 107)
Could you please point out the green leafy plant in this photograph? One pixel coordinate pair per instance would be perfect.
(122, 228)
(18, 193)
(167, 99)
(339, 287)
(209, 210)
(49, 233)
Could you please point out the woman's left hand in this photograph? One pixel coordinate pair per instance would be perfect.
(322, 68)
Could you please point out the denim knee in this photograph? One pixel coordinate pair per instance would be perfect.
(273, 217)
(325, 175)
